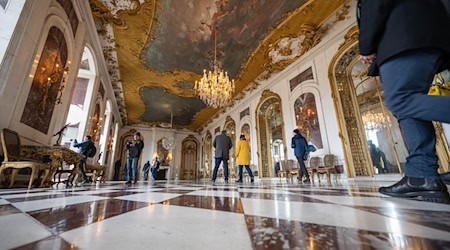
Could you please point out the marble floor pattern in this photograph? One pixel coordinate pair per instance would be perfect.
(266, 214)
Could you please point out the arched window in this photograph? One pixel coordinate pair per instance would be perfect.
(81, 98)
(307, 120)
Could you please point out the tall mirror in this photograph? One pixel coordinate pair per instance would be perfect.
(384, 140)
(271, 146)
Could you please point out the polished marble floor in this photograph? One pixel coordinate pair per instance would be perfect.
(266, 214)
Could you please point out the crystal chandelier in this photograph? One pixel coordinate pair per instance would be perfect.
(169, 142)
(215, 88)
(374, 121)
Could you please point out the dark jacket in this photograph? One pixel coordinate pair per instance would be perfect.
(84, 146)
(222, 144)
(300, 145)
(135, 149)
(389, 27)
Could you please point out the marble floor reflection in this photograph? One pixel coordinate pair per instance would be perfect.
(266, 214)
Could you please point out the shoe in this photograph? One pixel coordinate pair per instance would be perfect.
(128, 182)
(307, 180)
(433, 190)
(252, 180)
(135, 181)
(239, 181)
(226, 181)
(445, 178)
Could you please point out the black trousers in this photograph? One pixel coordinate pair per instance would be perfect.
(303, 171)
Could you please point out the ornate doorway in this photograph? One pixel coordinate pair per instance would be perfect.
(189, 166)
(370, 134)
(207, 151)
(270, 132)
(230, 127)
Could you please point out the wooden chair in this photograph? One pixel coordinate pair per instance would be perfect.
(313, 165)
(328, 168)
(95, 171)
(11, 151)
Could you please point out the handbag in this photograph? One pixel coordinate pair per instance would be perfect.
(439, 86)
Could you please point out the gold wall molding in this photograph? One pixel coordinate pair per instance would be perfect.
(134, 30)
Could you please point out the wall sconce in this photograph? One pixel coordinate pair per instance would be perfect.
(53, 79)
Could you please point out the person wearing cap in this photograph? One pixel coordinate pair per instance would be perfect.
(134, 148)
(300, 146)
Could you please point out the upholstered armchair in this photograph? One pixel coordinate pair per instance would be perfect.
(328, 168)
(11, 150)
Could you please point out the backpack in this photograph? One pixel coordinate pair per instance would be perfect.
(91, 150)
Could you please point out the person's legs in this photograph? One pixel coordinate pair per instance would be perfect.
(154, 171)
(134, 173)
(303, 170)
(225, 169)
(250, 173)
(240, 173)
(406, 79)
(81, 170)
(129, 170)
(216, 168)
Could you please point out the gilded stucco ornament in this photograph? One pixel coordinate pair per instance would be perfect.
(135, 27)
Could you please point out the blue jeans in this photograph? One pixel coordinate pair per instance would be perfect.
(249, 171)
(225, 168)
(132, 163)
(154, 171)
(406, 79)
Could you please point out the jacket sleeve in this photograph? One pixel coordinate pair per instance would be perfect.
(141, 146)
(214, 142)
(374, 14)
(238, 148)
(292, 142)
(81, 144)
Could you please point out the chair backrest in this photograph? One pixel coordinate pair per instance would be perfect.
(11, 145)
(292, 164)
(314, 162)
(329, 160)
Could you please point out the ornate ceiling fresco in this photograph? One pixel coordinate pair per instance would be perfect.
(161, 47)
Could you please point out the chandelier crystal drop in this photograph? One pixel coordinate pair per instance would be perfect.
(169, 142)
(215, 88)
(374, 121)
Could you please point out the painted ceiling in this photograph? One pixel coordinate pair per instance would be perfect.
(161, 48)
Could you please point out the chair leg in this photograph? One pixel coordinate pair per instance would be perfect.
(328, 177)
(12, 178)
(33, 172)
(47, 173)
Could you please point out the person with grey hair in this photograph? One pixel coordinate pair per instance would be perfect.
(134, 151)
(222, 144)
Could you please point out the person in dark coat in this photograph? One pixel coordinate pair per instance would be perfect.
(155, 167)
(300, 146)
(407, 44)
(117, 166)
(146, 170)
(222, 144)
(134, 151)
(84, 148)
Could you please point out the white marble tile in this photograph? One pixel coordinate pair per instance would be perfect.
(263, 191)
(165, 227)
(186, 188)
(3, 202)
(12, 191)
(12, 196)
(216, 193)
(148, 197)
(94, 192)
(28, 206)
(20, 229)
(308, 189)
(149, 189)
(336, 215)
(382, 202)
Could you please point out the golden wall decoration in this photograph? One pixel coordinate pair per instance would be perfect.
(134, 29)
